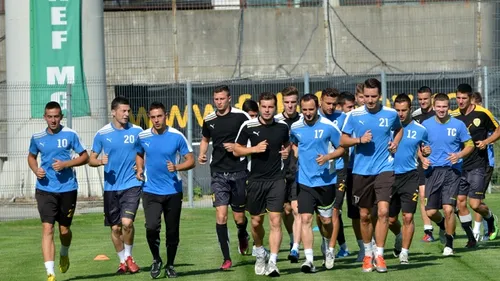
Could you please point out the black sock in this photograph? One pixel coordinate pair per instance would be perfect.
(171, 253)
(223, 240)
(341, 236)
(467, 226)
(491, 224)
(153, 238)
(441, 224)
(242, 229)
(428, 231)
(449, 240)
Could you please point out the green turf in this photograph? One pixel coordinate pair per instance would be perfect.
(199, 256)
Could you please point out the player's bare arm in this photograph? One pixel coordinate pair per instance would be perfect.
(95, 162)
(347, 141)
(186, 165)
(83, 159)
(491, 139)
(285, 150)
(338, 152)
(468, 148)
(139, 163)
(202, 157)
(240, 150)
(33, 164)
(295, 149)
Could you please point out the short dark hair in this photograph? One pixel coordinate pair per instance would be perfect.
(441, 97)
(478, 98)
(117, 101)
(464, 88)
(268, 96)
(308, 97)
(250, 105)
(290, 91)
(222, 88)
(424, 89)
(401, 98)
(346, 96)
(330, 92)
(157, 105)
(53, 105)
(372, 83)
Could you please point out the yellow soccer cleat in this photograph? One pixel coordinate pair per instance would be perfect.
(63, 264)
(51, 277)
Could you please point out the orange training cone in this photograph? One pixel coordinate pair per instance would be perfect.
(101, 258)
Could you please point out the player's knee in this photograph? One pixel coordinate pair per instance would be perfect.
(364, 215)
(462, 201)
(407, 219)
(383, 213)
(448, 211)
(257, 221)
(475, 204)
(306, 219)
(430, 213)
(48, 229)
(221, 218)
(64, 230)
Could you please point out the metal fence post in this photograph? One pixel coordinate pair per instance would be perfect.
(486, 102)
(307, 90)
(384, 87)
(189, 96)
(69, 115)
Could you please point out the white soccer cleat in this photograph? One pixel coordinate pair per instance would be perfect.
(448, 251)
(329, 259)
(403, 258)
(308, 267)
(260, 263)
(272, 270)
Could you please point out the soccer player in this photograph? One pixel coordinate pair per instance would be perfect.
(443, 167)
(122, 191)
(480, 122)
(328, 104)
(158, 166)
(266, 190)
(311, 137)
(346, 101)
(369, 128)
(405, 188)
(229, 173)
(56, 185)
(424, 96)
(478, 99)
(251, 108)
(291, 217)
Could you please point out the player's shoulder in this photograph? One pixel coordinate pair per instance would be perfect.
(67, 130)
(486, 112)
(455, 113)
(106, 129)
(40, 134)
(297, 124)
(176, 132)
(389, 110)
(416, 113)
(280, 122)
(211, 116)
(135, 127)
(427, 122)
(252, 123)
(280, 116)
(326, 121)
(418, 126)
(146, 133)
(239, 112)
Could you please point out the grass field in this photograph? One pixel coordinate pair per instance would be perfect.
(199, 256)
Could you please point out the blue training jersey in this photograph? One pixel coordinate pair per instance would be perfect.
(311, 141)
(159, 149)
(119, 145)
(337, 118)
(56, 146)
(445, 139)
(405, 158)
(374, 157)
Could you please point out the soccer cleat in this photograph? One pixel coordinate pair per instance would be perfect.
(471, 244)
(380, 265)
(122, 269)
(243, 245)
(477, 236)
(261, 263)
(131, 265)
(294, 256)
(442, 237)
(226, 265)
(63, 264)
(397, 245)
(308, 267)
(272, 270)
(51, 277)
(342, 253)
(367, 264)
(428, 238)
(493, 229)
(448, 251)
(170, 271)
(155, 271)
(329, 259)
(403, 258)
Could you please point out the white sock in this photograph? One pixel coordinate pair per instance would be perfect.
(361, 245)
(128, 250)
(466, 218)
(260, 251)
(367, 248)
(380, 251)
(291, 237)
(428, 227)
(477, 226)
(273, 257)
(404, 251)
(121, 256)
(64, 250)
(295, 247)
(49, 266)
(309, 255)
(344, 246)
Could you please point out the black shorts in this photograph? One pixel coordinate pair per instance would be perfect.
(352, 210)
(487, 179)
(472, 183)
(171, 207)
(229, 189)
(319, 199)
(121, 204)
(54, 206)
(265, 196)
(404, 193)
(340, 189)
(421, 174)
(367, 191)
(441, 187)
(291, 190)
